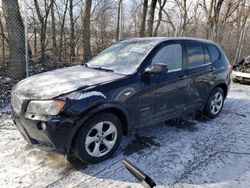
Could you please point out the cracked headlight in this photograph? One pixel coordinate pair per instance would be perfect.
(50, 107)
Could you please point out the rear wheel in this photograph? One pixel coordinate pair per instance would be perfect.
(215, 103)
(98, 138)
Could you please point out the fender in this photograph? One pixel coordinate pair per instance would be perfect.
(92, 112)
(215, 85)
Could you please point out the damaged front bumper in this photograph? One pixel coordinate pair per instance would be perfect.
(47, 133)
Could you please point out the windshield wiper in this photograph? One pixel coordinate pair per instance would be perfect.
(98, 68)
(101, 68)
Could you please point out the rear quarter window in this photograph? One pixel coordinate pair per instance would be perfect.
(214, 52)
(207, 55)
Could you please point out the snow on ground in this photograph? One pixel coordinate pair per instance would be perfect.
(198, 153)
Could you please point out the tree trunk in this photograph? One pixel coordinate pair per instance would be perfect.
(159, 16)
(208, 12)
(62, 31)
(53, 25)
(86, 31)
(118, 21)
(72, 31)
(151, 18)
(217, 10)
(184, 24)
(243, 27)
(143, 19)
(43, 27)
(16, 35)
(174, 30)
(42, 41)
(3, 40)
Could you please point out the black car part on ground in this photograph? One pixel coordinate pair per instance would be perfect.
(143, 178)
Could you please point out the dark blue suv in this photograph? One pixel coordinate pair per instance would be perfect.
(86, 110)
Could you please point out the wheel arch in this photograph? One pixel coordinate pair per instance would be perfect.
(119, 111)
(224, 87)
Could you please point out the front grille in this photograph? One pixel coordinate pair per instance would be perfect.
(16, 103)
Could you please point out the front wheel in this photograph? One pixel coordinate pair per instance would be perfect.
(98, 138)
(215, 103)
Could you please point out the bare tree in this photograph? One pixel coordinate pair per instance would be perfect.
(34, 25)
(54, 30)
(151, 18)
(3, 36)
(143, 18)
(212, 17)
(230, 8)
(170, 22)
(118, 27)
(161, 7)
(86, 31)
(62, 32)
(185, 18)
(43, 19)
(217, 9)
(242, 24)
(14, 23)
(72, 30)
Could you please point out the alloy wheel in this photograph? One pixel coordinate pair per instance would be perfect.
(216, 103)
(101, 139)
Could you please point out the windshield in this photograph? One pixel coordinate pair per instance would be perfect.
(123, 58)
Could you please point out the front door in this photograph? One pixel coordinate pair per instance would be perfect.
(167, 91)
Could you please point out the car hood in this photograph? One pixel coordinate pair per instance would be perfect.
(54, 83)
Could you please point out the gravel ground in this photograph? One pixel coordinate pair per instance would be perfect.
(195, 153)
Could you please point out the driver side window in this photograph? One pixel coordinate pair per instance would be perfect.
(171, 55)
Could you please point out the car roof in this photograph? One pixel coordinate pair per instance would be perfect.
(158, 40)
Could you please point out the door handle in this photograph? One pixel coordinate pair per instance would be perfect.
(182, 77)
(212, 69)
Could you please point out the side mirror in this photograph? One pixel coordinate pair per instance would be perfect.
(144, 179)
(157, 69)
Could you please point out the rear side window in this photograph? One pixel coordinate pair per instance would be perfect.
(195, 54)
(214, 52)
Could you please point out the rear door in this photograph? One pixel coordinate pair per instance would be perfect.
(199, 73)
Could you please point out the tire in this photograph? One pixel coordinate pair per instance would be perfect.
(214, 103)
(98, 138)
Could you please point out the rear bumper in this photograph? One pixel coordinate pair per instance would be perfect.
(49, 134)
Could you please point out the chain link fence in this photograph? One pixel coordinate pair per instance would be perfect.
(37, 36)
